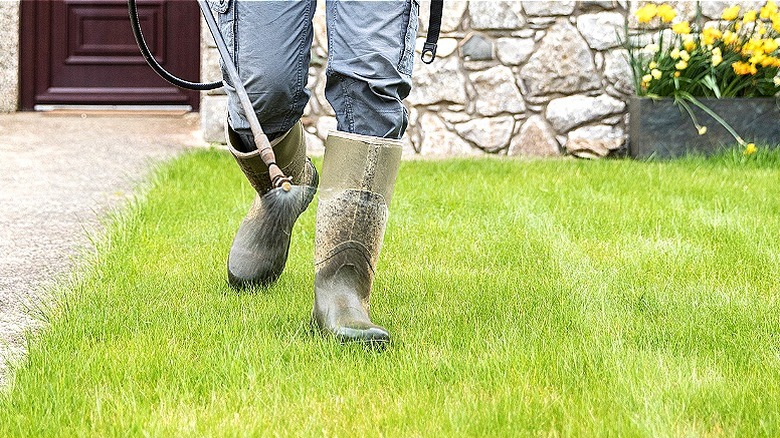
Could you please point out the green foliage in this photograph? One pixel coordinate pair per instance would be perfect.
(736, 57)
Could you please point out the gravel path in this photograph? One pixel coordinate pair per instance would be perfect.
(58, 175)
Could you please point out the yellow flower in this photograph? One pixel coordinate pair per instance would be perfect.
(652, 64)
(769, 45)
(710, 34)
(730, 37)
(776, 80)
(647, 78)
(749, 17)
(717, 57)
(769, 9)
(689, 43)
(675, 53)
(685, 56)
(646, 13)
(702, 130)
(681, 65)
(655, 73)
(651, 48)
(757, 59)
(730, 13)
(743, 68)
(666, 13)
(769, 61)
(677, 74)
(682, 28)
(750, 149)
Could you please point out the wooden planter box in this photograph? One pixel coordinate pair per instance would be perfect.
(660, 129)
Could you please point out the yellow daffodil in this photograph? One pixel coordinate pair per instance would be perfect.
(750, 149)
(652, 65)
(655, 73)
(743, 68)
(685, 56)
(749, 17)
(646, 13)
(689, 44)
(730, 37)
(709, 35)
(647, 78)
(702, 130)
(769, 9)
(730, 13)
(681, 65)
(717, 56)
(776, 80)
(757, 58)
(666, 13)
(675, 53)
(682, 28)
(677, 74)
(769, 61)
(769, 45)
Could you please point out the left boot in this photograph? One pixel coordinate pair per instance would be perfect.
(259, 250)
(358, 177)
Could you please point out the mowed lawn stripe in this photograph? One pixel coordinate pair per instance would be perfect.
(555, 297)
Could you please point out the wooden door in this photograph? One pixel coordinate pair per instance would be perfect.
(83, 52)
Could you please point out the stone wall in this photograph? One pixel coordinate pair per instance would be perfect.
(518, 78)
(9, 55)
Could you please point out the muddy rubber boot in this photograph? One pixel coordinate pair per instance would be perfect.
(358, 177)
(259, 252)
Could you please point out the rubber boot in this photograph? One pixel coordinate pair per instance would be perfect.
(358, 177)
(259, 250)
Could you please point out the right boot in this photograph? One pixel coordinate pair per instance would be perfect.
(358, 176)
(259, 250)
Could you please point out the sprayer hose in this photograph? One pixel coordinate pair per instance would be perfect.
(139, 38)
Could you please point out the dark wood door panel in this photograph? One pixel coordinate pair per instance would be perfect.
(83, 52)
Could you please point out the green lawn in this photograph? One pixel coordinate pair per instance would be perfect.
(607, 298)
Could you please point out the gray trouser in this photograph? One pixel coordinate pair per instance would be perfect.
(370, 60)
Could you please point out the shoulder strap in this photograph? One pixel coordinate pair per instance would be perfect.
(434, 27)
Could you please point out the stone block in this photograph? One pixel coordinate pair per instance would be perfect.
(595, 141)
(514, 51)
(439, 141)
(536, 139)
(496, 92)
(602, 30)
(496, 15)
(442, 81)
(489, 133)
(476, 47)
(538, 8)
(569, 112)
(561, 64)
(213, 115)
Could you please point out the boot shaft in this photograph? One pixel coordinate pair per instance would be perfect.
(290, 151)
(358, 178)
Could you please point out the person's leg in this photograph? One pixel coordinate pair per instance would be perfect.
(370, 60)
(270, 44)
(371, 49)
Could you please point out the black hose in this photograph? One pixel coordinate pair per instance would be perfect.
(139, 38)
